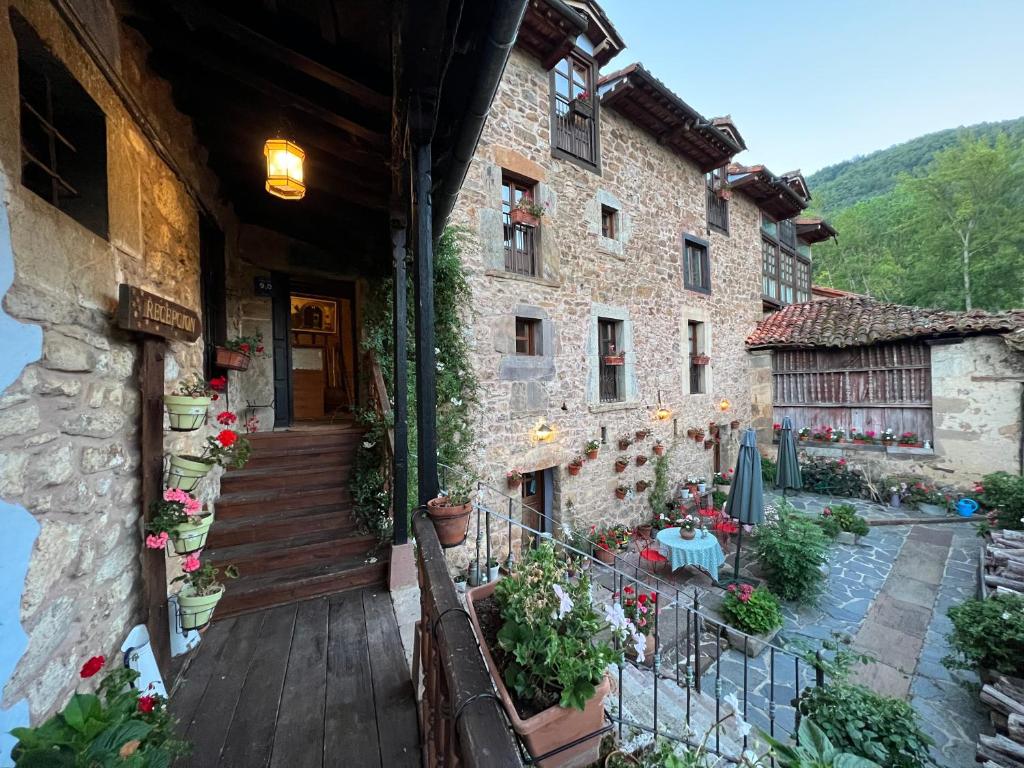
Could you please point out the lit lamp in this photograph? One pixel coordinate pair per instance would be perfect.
(284, 169)
(663, 414)
(544, 433)
(725, 405)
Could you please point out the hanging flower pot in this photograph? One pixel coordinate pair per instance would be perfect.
(641, 486)
(451, 521)
(643, 434)
(734, 424)
(698, 436)
(231, 359)
(196, 610)
(575, 467)
(621, 464)
(191, 536)
(659, 450)
(624, 443)
(641, 460)
(186, 413)
(620, 492)
(618, 359)
(520, 216)
(185, 472)
(708, 445)
(592, 454)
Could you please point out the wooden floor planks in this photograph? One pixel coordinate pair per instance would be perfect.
(315, 684)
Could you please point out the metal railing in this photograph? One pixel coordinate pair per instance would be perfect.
(689, 664)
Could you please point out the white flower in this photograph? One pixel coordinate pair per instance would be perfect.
(732, 701)
(1006, 616)
(437, 350)
(564, 602)
(440, 365)
(615, 616)
(743, 727)
(639, 644)
(456, 401)
(368, 444)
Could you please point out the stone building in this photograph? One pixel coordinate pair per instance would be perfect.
(626, 306)
(952, 379)
(132, 153)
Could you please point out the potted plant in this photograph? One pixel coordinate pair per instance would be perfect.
(187, 406)
(624, 442)
(236, 353)
(227, 448)
(702, 484)
(639, 608)
(117, 725)
(699, 359)
(621, 492)
(621, 463)
(529, 612)
(699, 436)
(527, 212)
(642, 434)
(929, 499)
(723, 480)
(201, 592)
(449, 513)
(611, 357)
(709, 444)
(869, 437)
(575, 466)
(687, 525)
(592, 449)
(582, 106)
(756, 613)
(734, 424)
(493, 570)
(776, 431)
(851, 525)
(643, 530)
(641, 459)
(910, 440)
(804, 433)
(888, 436)
(514, 478)
(838, 436)
(642, 485)
(659, 448)
(608, 541)
(459, 580)
(178, 519)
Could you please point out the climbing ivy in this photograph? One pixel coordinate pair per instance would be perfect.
(659, 491)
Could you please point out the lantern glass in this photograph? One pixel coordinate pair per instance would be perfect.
(284, 169)
(663, 414)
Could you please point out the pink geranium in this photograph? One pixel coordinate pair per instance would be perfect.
(193, 506)
(176, 494)
(157, 542)
(190, 564)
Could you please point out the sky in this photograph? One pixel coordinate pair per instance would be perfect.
(810, 84)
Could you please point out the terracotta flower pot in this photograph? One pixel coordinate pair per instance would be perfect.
(648, 649)
(735, 424)
(641, 460)
(605, 556)
(592, 454)
(574, 469)
(620, 494)
(231, 359)
(687, 534)
(555, 726)
(709, 444)
(450, 522)
(614, 359)
(514, 484)
(620, 466)
(519, 216)
(644, 531)
(641, 435)
(624, 443)
(642, 486)
(659, 450)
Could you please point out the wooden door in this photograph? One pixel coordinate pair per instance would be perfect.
(536, 513)
(281, 314)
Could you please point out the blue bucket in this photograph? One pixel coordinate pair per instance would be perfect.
(966, 507)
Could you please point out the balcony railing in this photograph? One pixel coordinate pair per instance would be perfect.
(718, 211)
(680, 696)
(521, 255)
(575, 134)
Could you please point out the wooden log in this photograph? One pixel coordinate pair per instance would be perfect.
(1010, 685)
(998, 700)
(1007, 591)
(1015, 727)
(1001, 581)
(987, 753)
(1003, 745)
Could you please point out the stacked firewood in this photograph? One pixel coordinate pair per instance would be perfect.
(1005, 696)
(1003, 564)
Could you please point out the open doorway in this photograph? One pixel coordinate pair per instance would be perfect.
(537, 492)
(319, 356)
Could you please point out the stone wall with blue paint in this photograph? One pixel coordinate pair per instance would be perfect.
(70, 576)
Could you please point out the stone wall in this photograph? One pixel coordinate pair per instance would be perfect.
(637, 278)
(69, 424)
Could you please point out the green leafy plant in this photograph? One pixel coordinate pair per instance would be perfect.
(769, 470)
(832, 477)
(848, 519)
(195, 385)
(249, 345)
(204, 579)
(755, 611)
(792, 553)
(987, 634)
(548, 631)
(658, 496)
(613, 538)
(856, 719)
(371, 501)
(113, 727)
(1003, 494)
(815, 750)
(718, 499)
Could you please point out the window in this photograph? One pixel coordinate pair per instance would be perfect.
(574, 106)
(769, 268)
(768, 225)
(609, 227)
(785, 271)
(63, 134)
(696, 265)
(695, 346)
(718, 206)
(528, 337)
(787, 233)
(611, 368)
(803, 280)
(786, 278)
(521, 251)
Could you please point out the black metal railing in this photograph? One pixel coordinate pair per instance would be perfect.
(718, 211)
(609, 382)
(521, 255)
(687, 662)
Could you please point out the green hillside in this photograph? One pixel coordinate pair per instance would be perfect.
(841, 185)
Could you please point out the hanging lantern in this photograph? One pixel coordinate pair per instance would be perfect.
(663, 414)
(544, 433)
(725, 405)
(284, 169)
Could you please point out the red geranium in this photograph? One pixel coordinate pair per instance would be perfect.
(259, 349)
(244, 348)
(227, 437)
(219, 383)
(147, 704)
(92, 666)
(226, 417)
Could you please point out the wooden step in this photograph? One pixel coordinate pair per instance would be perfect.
(292, 522)
(318, 548)
(306, 438)
(231, 506)
(282, 587)
(299, 456)
(312, 475)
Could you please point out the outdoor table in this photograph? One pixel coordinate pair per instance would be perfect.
(703, 550)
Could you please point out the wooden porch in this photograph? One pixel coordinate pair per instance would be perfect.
(317, 683)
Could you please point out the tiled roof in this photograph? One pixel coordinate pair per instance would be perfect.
(859, 320)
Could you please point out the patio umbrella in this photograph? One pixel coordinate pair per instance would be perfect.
(788, 473)
(746, 494)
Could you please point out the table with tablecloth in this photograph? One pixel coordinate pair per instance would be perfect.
(703, 550)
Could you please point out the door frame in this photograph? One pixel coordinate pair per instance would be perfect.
(281, 314)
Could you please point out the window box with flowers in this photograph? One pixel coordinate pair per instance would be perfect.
(614, 358)
(237, 353)
(528, 212)
(582, 105)
(187, 407)
(753, 618)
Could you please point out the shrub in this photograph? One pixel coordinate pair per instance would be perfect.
(1003, 493)
(987, 633)
(769, 470)
(832, 477)
(792, 553)
(828, 523)
(848, 519)
(815, 749)
(755, 611)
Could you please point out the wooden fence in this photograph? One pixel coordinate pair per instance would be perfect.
(877, 387)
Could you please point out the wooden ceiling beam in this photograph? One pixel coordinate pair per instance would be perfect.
(254, 42)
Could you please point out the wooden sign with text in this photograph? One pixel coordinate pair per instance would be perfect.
(145, 312)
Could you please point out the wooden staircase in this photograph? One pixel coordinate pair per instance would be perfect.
(286, 522)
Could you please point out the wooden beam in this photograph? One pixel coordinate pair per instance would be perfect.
(199, 14)
(426, 383)
(400, 329)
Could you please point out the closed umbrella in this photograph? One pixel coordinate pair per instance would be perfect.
(746, 494)
(788, 472)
